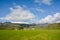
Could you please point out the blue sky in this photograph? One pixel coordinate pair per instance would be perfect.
(42, 11)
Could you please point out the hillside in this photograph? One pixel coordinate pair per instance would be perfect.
(54, 26)
(18, 26)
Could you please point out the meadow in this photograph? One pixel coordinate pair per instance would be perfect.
(29, 34)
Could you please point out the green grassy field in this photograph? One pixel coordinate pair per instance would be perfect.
(29, 34)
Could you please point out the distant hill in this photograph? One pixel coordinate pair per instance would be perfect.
(54, 26)
(13, 26)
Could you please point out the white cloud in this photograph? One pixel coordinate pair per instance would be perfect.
(51, 19)
(19, 14)
(40, 10)
(47, 2)
(21, 22)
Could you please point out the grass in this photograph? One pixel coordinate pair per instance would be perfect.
(29, 34)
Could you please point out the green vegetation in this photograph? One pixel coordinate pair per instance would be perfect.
(54, 26)
(13, 31)
(29, 34)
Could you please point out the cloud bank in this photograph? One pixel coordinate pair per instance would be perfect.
(47, 2)
(51, 19)
(19, 14)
